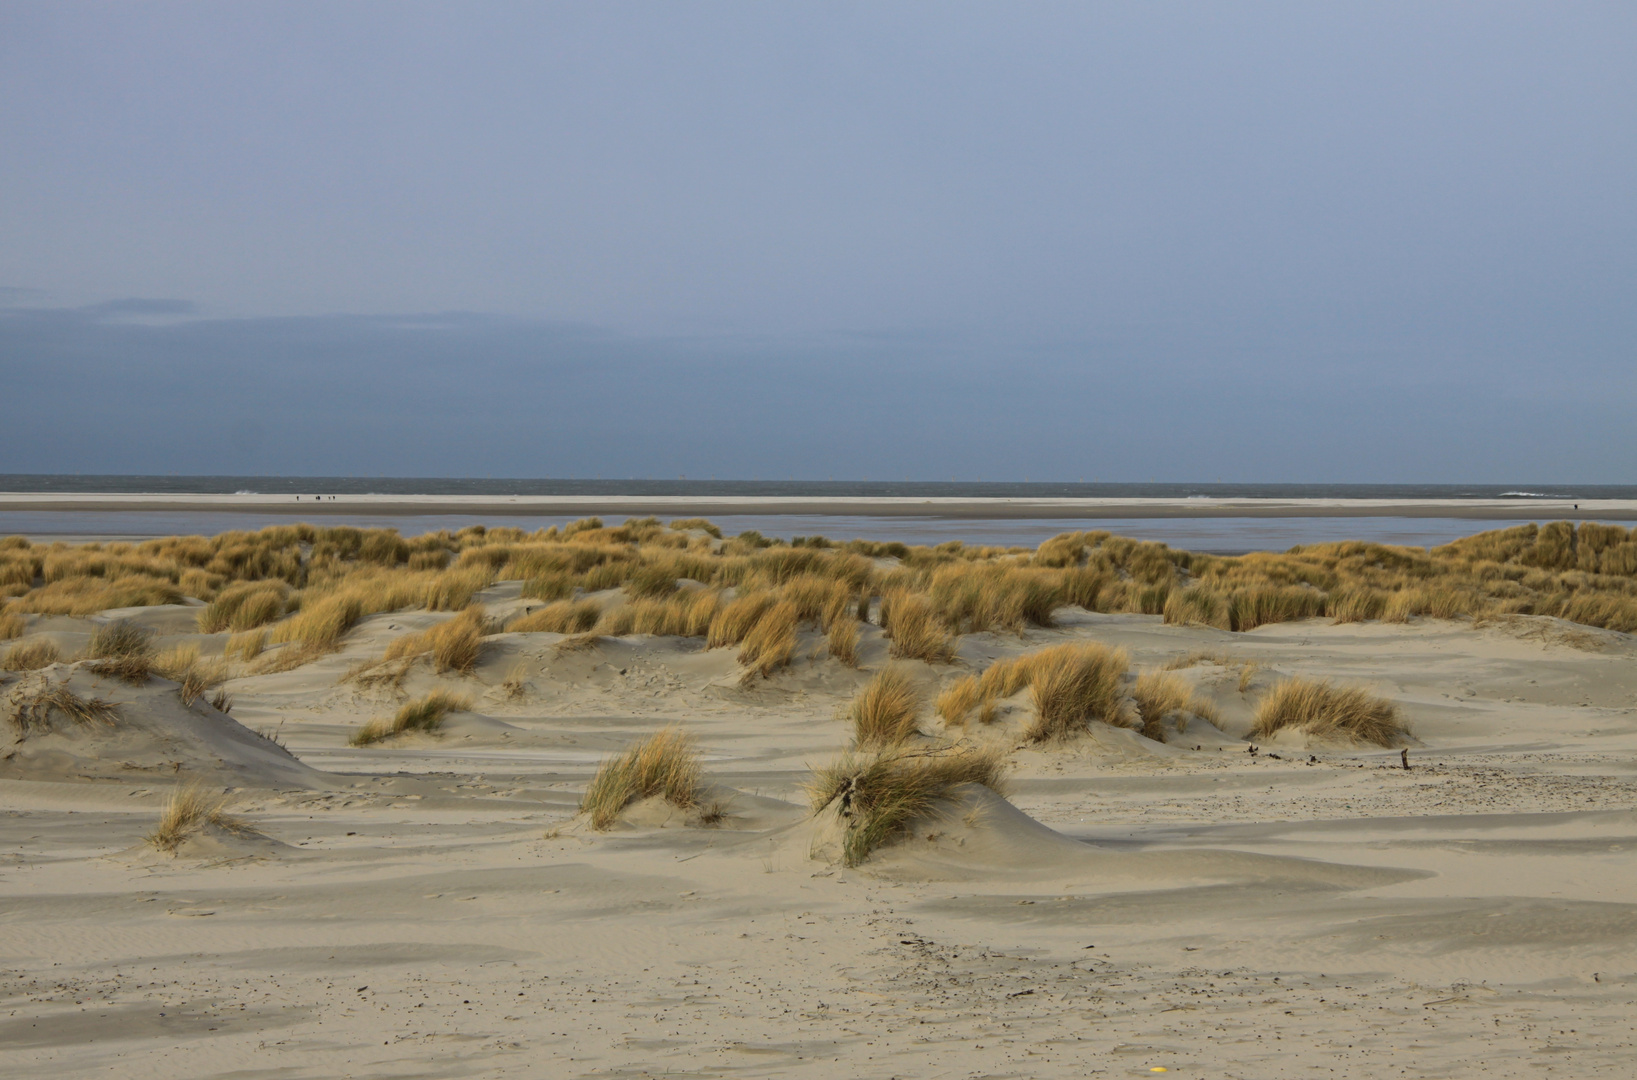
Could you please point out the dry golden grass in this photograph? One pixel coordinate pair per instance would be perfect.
(1247, 675)
(562, 617)
(246, 646)
(12, 626)
(841, 640)
(188, 810)
(958, 699)
(119, 638)
(425, 714)
(31, 655)
(290, 657)
(884, 711)
(195, 674)
(771, 643)
(453, 645)
(736, 618)
(1318, 707)
(311, 585)
(33, 710)
(915, 630)
(664, 764)
(1160, 694)
(685, 524)
(1074, 686)
(222, 702)
(245, 606)
(134, 669)
(879, 795)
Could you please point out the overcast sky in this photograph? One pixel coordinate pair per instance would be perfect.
(1246, 241)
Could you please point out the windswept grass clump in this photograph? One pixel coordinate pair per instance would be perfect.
(453, 645)
(958, 699)
(188, 810)
(1318, 707)
(12, 626)
(32, 711)
(884, 711)
(841, 639)
(664, 764)
(916, 632)
(1074, 686)
(879, 795)
(425, 714)
(245, 606)
(771, 643)
(122, 650)
(31, 655)
(194, 674)
(562, 617)
(117, 639)
(1160, 694)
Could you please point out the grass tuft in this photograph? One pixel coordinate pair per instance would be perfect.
(841, 640)
(119, 639)
(134, 669)
(1318, 707)
(1160, 694)
(33, 711)
(425, 714)
(31, 655)
(879, 795)
(1073, 686)
(188, 810)
(884, 711)
(665, 764)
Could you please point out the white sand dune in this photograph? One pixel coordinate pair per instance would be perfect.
(430, 906)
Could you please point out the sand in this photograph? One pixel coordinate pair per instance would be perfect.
(671, 506)
(430, 906)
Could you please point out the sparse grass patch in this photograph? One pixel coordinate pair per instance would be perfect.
(246, 646)
(665, 764)
(31, 655)
(1160, 694)
(119, 638)
(188, 810)
(134, 669)
(884, 711)
(425, 714)
(33, 711)
(1321, 708)
(516, 682)
(880, 794)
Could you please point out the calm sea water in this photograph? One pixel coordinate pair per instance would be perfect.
(1227, 535)
(360, 485)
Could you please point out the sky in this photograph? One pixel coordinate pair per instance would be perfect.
(1348, 242)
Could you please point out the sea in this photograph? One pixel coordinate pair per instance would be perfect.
(1225, 535)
